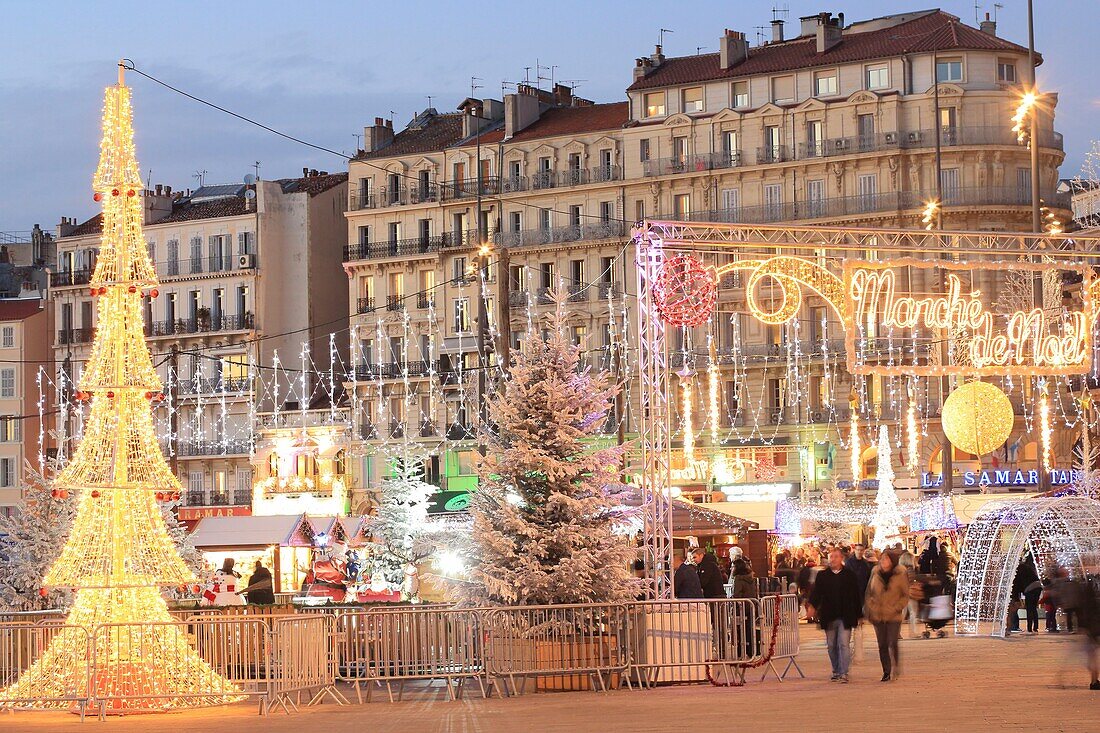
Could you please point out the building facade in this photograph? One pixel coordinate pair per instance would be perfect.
(245, 275)
(860, 125)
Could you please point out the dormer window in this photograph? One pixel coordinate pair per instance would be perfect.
(655, 104)
(693, 100)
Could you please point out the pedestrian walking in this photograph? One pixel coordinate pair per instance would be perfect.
(1033, 591)
(1089, 610)
(886, 601)
(836, 603)
(686, 580)
(1025, 576)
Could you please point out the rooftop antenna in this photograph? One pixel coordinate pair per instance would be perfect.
(977, 12)
(149, 180)
(996, 7)
(200, 176)
(526, 74)
(661, 36)
(429, 101)
(358, 140)
(777, 11)
(553, 69)
(699, 49)
(256, 165)
(539, 78)
(573, 83)
(759, 34)
(474, 84)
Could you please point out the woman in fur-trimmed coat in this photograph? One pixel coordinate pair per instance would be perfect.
(887, 598)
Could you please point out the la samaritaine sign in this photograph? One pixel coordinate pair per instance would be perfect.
(1003, 477)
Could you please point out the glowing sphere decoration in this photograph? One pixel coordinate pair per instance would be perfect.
(685, 291)
(977, 418)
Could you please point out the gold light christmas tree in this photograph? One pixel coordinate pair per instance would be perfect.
(119, 553)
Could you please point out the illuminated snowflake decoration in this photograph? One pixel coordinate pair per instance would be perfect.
(685, 291)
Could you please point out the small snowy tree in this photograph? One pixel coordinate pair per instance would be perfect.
(30, 541)
(548, 506)
(887, 520)
(831, 531)
(403, 534)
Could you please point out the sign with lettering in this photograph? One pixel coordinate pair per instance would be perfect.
(916, 317)
(193, 513)
(1003, 477)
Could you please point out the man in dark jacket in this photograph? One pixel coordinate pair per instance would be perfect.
(836, 602)
(260, 589)
(686, 582)
(710, 575)
(858, 565)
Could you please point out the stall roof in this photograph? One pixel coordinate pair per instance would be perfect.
(691, 518)
(249, 531)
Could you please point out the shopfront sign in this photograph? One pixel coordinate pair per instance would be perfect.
(1003, 477)
(191, 514)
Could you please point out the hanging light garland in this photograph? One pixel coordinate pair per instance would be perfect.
(853, 406)
(712, 394)
(912, 429)
(1045, 431)
(689, 433)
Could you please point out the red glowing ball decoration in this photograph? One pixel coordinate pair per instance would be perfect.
(685, 291)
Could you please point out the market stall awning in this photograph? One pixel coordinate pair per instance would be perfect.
(250, 531)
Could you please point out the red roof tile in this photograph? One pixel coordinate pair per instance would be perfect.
(16, 309)
(312, 185)
(558, 121)
(440, 131)
(92, 226)
(228, 206)
(935, 31)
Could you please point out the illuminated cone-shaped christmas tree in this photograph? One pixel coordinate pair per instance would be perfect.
(119, 553)
(888, 519)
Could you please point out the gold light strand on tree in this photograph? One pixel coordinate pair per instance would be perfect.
(712, 394)
(912, 430)
(118, 553)
(1045, 431)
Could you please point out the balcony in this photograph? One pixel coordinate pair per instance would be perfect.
(237, 497)
(70, 336)
(691, 163)
(578, 292)
(428, 429)
(67, 278)
(609, 290)
(215, 385)
(364, 305)
(514, 184)
(468, 187)
(395, 303)
(397, 429)
(879, 203)
(214, 448)
(519, 299)
(572, 233)
(392, 370)
(424, 301)
(458, 431)
(214, 324)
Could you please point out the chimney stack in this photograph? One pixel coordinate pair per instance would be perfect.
(777, 31)
(828, 32)
(732, 49)
(988, 26)
(378, 135)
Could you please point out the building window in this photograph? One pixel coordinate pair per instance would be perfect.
(949, 185)
(1006, 71)
(825, 83)
(693, 99)
(579, 335)
(8, 337)
(9, 429)
(682, 205)
(740, 94)
(731, 199)
(949, 70)
(364, 235)
(607, 211)
(783, 89)
(773, 146)
(877, 77)
(868, 187)
(459, 272)
(462, 315)
(7, 383)
(517, 221)
(773, 201)
(574, 216)
(544, 219)
(655, 104)
(643, 150)
(195, 483)
(7, 472)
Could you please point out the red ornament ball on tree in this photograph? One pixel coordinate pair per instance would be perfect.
(95, 494)
(97, 196)
(685, 291)
(43, 592)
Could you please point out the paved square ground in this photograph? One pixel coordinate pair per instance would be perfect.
(1034, 683)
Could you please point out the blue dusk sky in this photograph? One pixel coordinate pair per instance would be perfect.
(321, 70)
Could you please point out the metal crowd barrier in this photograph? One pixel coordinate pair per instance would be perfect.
(276, 658)
(685, 640)
(787, 638)
(578, 646)
(384, 646)
(303, 659)
(21, 645)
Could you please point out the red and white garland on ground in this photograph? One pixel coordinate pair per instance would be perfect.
(735, 682)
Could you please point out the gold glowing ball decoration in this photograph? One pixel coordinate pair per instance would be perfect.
(977, 418)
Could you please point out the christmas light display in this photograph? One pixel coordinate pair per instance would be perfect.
(685, 416)
(912, 429)
(888, 519)
(685, 292)
(1058, 531)
(977, 417)
(928, 216)
(119, 552)
(1045, 431)
(1021, 120)
(714, 417)
(853, 433)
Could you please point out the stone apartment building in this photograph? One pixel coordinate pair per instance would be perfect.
(246, 271)
(839, 125)
(24, 348)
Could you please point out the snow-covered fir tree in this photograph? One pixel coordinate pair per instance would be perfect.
(403, 534)
(831, 531)
(30, 541)
(549, 502)
(888, 519)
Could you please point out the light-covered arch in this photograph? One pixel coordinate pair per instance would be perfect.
(1062, 530)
